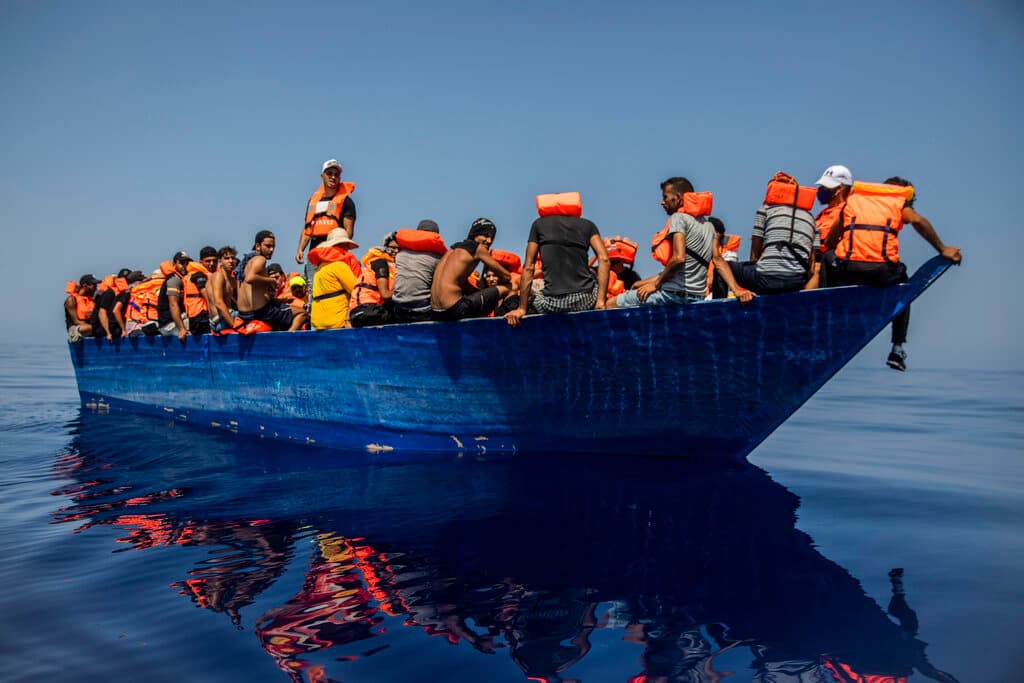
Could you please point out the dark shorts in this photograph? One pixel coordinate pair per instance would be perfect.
(414, 313)
(748, 277)
(842, 273)
(478, 304)
(278, 316)
(370, 314)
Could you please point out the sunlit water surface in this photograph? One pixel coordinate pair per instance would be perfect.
(134, 549)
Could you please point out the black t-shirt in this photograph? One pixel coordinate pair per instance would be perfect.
(348, 210)
(564, 243)
(466, 245)
(105, 300)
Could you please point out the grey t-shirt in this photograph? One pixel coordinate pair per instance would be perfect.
(692, 279)
(772, 223)
(414, 273)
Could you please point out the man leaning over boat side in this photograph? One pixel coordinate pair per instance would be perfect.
(337, 271)
(685, 247)
(451, 295)
(329, 207)
(563, 239)
(257, 288)
(865, 251)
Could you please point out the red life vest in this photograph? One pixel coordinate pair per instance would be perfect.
(828, 219)
(117, 284)
(872, 220)
(322, 215)
(420, 240)
(615, 285)
(560, 204)
(513, 264)
(695, 204)
(366, 290)
(844, 673)
(790, 194)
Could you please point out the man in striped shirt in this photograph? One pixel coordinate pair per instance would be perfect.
(784, 245)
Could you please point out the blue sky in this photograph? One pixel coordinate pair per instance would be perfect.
(129, 131)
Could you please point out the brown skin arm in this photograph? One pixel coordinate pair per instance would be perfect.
(723, 271)
(756, 248)
(603, 266)
(835, 233)
(119, 317)
(303, 241)
(219, 286)
(349, 224)
(252, 273)
(483, 254)
(105, 323)
(173, 303)
(675, 262)
(71, 306)
(924, 229)
(525, 284)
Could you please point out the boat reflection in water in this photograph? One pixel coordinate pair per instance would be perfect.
(527, 557)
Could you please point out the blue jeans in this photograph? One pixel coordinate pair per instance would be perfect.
(656, 298)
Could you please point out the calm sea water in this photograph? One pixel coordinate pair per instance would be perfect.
(134, 549)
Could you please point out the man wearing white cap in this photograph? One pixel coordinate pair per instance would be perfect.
(330, 207)
(833, 187)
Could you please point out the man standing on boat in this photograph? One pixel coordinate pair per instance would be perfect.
(330, 207)
(562, 238)
(256, 291)
(685, 247)
(864, 249)
(451, 296)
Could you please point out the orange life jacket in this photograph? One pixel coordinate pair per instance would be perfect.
(513, 264)
(790, 194)
(117, 284)
(195, 300)
(322, 215)
(142, 301)
(84, 305)
(255, 326)
(331, 254)
(872, 220)
(560, 204)
(621, 248)
(615, 285)
(695, 204)
(420, 240)
(366, 290)
(827, 219)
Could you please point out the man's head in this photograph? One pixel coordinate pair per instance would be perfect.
(208, 257)
(87, 284)
(330, 174)
(228, 258)
(132, 276)
(264, 244)
(490, 278)
(483, 231)
(428, 225)
(181, 261)
(298, 287)
(672, 191)
(903, 182)
(275, 271)
(836, 181)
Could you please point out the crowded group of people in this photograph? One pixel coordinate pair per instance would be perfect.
(412, 275)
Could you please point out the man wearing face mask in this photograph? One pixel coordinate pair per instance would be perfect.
(833, 188)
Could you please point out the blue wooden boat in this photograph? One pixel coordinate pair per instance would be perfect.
(707, 379)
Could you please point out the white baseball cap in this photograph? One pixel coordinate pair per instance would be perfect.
(834, 176)
(329, 163)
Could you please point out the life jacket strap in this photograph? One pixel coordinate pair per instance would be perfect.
(329, 295)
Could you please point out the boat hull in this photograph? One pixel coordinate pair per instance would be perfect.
(711, 379)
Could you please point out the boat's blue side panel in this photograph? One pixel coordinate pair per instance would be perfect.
(706, 379)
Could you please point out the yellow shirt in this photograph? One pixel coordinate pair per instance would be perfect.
(331, 312)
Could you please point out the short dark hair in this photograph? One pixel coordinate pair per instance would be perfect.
(262, 235)
(207, 252)
(275, 268)
(678, 184)
(903, 182)
(483, 226)
(224, 251)
(718, 224)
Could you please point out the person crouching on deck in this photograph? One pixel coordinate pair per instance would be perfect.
(865, 250)
(562, 238)
(685, 247)
(451, 295)
(78, 307)
(257, 288)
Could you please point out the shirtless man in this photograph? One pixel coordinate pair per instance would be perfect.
(256, 291)
(223, 290)
(451, 295)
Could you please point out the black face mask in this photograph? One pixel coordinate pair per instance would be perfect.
(825, 195)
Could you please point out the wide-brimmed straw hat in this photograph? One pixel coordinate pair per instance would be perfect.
(339, 238)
